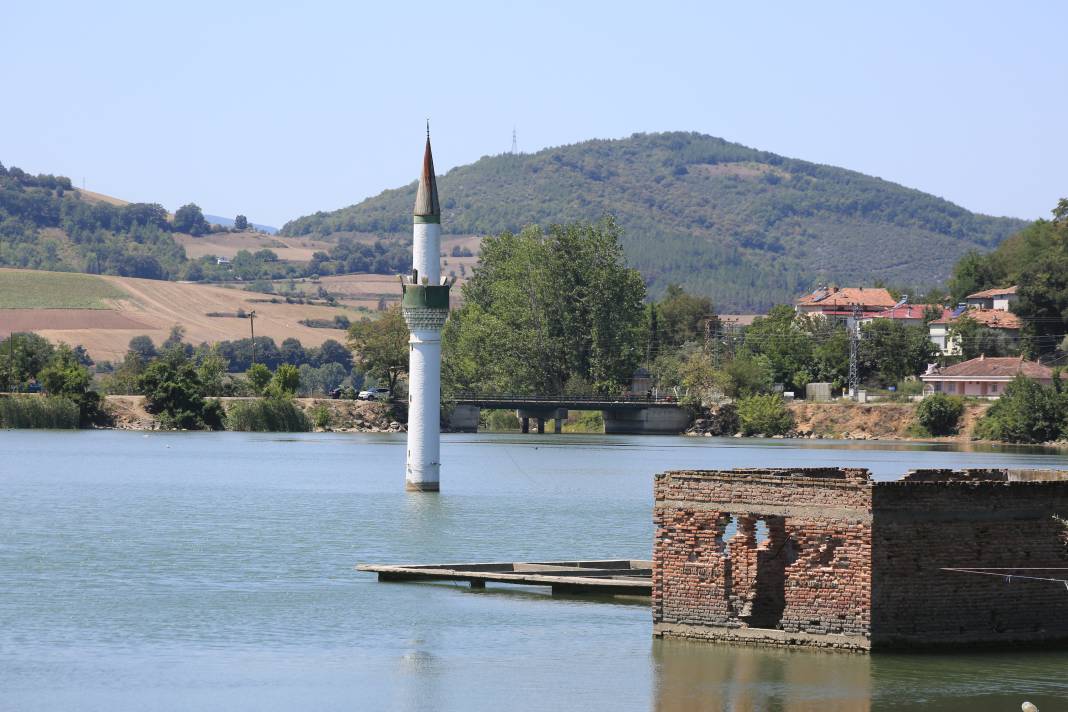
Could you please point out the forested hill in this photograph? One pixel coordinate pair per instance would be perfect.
(748, 228)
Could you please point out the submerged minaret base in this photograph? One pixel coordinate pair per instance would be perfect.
(425, 305)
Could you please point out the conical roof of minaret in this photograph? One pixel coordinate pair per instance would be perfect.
(426, 199)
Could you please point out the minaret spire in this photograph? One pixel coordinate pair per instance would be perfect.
(426, 197)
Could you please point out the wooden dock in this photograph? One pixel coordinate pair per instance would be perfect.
(618, 577)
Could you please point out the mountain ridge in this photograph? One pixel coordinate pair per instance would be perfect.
(747, 227)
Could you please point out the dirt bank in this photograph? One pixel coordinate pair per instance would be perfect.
(872, 421)
(129, 413)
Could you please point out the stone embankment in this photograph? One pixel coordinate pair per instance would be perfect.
(842, 421)
(128, 413)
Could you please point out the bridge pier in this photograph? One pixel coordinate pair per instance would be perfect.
(646, 421)
(464, 419)
(539, 416)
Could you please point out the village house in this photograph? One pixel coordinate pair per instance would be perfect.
(838, 303)
(996, 299)
(908, 314)
(983, 377)
(941, 330)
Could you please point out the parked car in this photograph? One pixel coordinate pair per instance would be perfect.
(375, 394)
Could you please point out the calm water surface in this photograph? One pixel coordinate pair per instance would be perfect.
(215, 572)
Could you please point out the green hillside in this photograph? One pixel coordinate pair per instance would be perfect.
(47, 224)
(748, 228)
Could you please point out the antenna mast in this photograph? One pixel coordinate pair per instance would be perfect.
(515, 145)
(854, 343)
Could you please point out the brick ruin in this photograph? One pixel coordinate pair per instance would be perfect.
(826, 557)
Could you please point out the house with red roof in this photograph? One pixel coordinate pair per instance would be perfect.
(996, 299)
(983, 377)
(838, 303)
(909, 314)
(941, 330)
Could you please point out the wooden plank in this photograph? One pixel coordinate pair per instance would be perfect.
(611, 577)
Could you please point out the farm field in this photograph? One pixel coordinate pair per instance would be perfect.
(289, 249)
(27, 289)
(124, 307)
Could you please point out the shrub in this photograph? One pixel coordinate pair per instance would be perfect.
(267, 415)
(1026, 413)
(320, 416)
(38, 412)
(939, 414)
(765, 415)
(587, 421)
(497, 420)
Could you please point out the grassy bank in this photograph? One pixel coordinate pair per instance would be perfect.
(34, 411)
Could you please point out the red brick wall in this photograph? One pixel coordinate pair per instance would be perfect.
(809, 582)
(935, 520)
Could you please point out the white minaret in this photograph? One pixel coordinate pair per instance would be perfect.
(426, 306)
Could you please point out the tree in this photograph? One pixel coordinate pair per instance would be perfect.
(258, 376)
(784, 341)
(286, 381)
(143, 348)
(212, 371)
(173, 390)
(381, 345)
(542, 307)
(765, 415)
(1026, 413)
(65, 376)
(1042, 296)
(977, 340)
(682, 316)
(331, 351)
(22, 356)
(189, 218)
(174, 340)
(891, 350)
(241, 223)
(939, 414)
(292, 352)
(975, 272)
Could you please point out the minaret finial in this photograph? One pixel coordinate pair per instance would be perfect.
(428, 129)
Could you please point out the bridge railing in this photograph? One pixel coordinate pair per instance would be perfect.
(581, 398)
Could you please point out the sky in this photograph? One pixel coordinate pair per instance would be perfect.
(277, 110)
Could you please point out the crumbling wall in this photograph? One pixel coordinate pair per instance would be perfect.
(779, 556)
(979, 519)
(825, 557)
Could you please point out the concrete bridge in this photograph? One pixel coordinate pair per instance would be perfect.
(624, 414)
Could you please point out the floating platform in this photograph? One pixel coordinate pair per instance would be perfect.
(617, 577)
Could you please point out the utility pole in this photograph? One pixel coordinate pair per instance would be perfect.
(854, 348)
(252, 326)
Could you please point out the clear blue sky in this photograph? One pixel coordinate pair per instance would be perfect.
(276, 110)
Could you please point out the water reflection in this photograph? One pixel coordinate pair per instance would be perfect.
(705, 677)
(700, 677)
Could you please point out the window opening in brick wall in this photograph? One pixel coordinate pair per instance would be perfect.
(761, 531)
(761, 553)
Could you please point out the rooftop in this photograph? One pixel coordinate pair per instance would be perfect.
(1001, 367)
(991, 293)
(990, 318)
(842, 296)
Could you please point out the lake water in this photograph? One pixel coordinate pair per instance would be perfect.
(215, 572)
